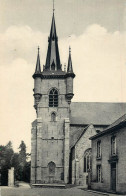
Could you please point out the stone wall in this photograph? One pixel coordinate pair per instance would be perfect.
(52, 141)
(79, 177)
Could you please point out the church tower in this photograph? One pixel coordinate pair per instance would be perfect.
(53, 91)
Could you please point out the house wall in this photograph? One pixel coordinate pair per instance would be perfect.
(105, 185)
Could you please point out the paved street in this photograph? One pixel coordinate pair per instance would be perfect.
(45, 192)
(26, 191)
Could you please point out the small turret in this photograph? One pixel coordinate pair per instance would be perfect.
(37, 82)
(69, 79)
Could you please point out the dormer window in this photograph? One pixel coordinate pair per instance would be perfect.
(53, 98)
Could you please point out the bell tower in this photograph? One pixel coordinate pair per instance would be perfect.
(53, 91)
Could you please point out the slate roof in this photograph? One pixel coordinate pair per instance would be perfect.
(96, 113)
(118, 123)
(76, 136)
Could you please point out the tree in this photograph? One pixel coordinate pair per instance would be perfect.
(6, 153)
(22, 154)
(23, 170)
(19, 161)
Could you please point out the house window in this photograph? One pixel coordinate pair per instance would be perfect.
(53, 117)
(53, 98)
(113, 145)
(99, 173)
(87, 160)
(98, 149)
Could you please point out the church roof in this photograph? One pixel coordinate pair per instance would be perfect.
(96, 113)
(76, 136)
(113, 127)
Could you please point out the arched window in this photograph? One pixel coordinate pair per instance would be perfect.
(52, 167)
(87, 160)
(53, 98)
(53, 116)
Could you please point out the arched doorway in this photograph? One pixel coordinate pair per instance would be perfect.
(51, 170)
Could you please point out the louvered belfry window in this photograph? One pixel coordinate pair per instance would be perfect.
(53, 98)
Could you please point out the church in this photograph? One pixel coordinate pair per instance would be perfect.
(60, 145)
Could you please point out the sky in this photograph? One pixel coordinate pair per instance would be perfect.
(96, 32)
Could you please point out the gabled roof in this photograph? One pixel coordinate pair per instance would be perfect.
(96, 113)
(118, 123)
(76, 136)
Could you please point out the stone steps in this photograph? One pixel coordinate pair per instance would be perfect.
(48, 186)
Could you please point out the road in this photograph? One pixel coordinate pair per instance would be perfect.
(25, 190)
(45, 192)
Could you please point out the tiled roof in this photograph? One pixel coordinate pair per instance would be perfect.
(96, 113)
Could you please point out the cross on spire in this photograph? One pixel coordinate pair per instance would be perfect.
(53, 7)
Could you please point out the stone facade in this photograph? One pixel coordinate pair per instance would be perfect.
(50, 139)
(79, 176)
(113, 165)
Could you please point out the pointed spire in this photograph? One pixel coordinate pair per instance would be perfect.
(38, 66)
(69, 68)
(53, 58)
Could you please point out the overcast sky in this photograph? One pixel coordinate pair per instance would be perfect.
(96, 32)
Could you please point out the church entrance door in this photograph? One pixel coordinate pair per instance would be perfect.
(51, 167)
